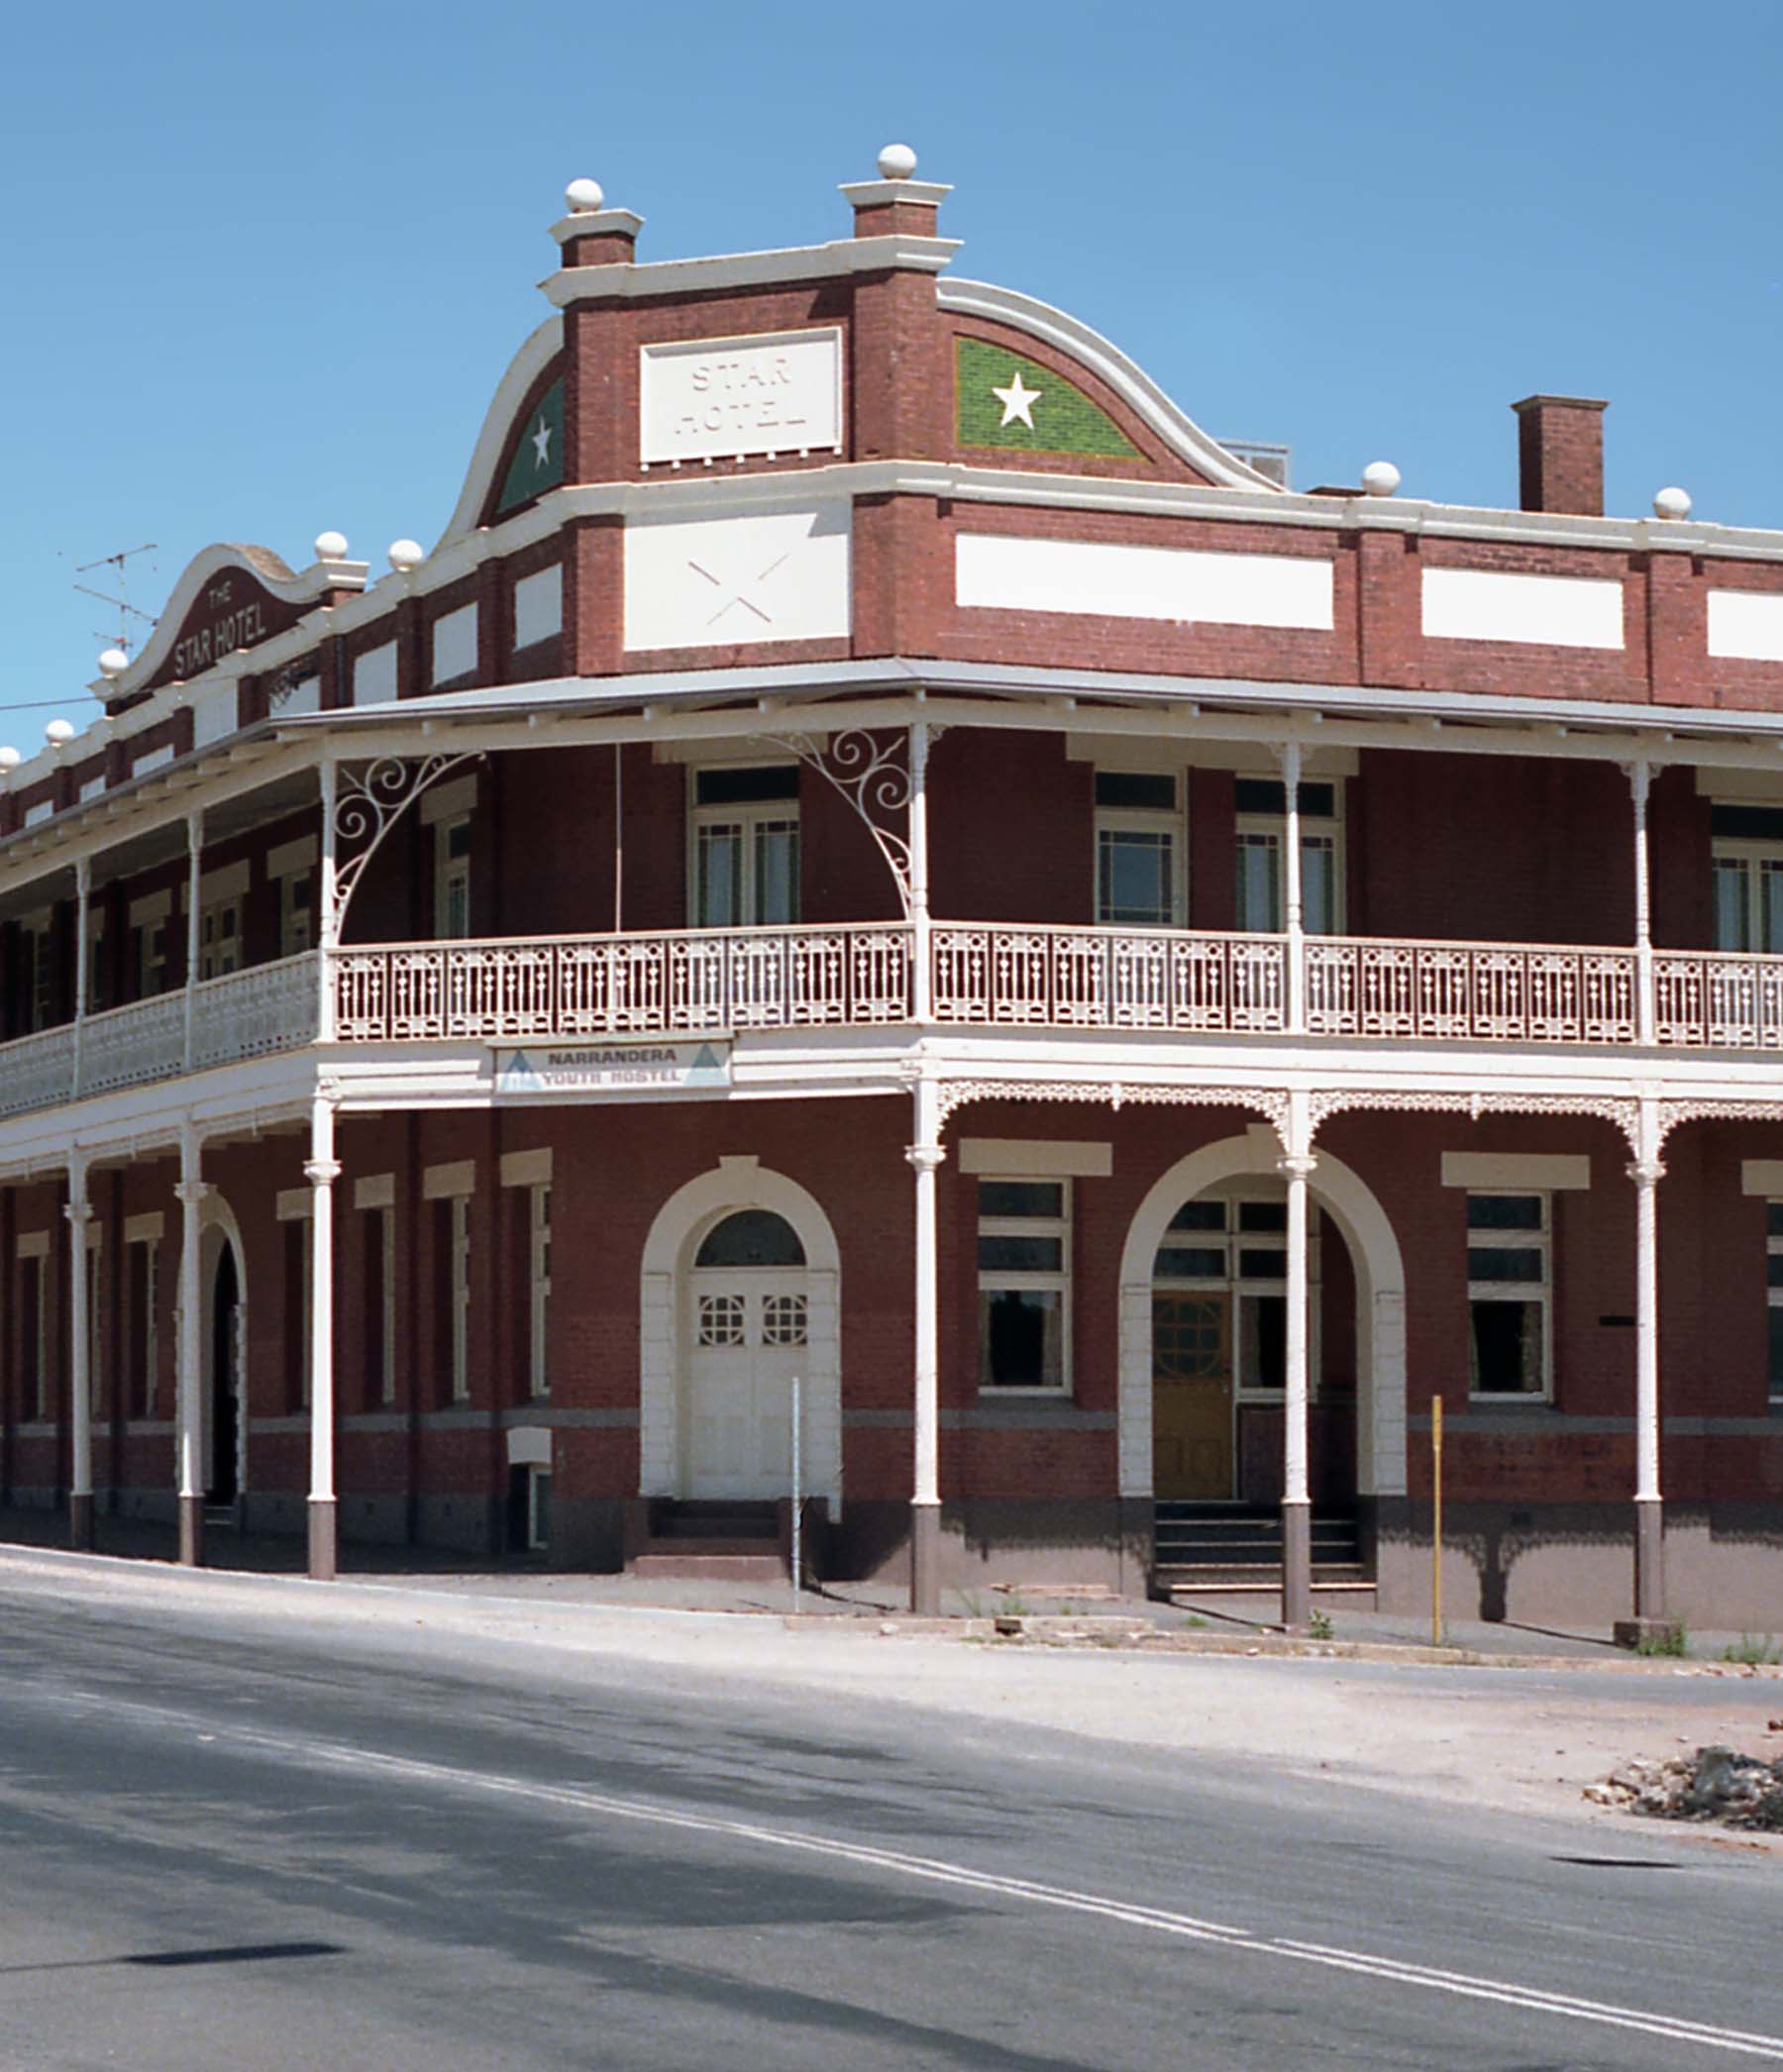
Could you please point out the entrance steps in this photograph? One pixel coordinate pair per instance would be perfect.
(713, 1541)
(1205, 1548)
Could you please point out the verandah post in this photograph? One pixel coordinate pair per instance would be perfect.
(1296, 1534)
(925, 1156)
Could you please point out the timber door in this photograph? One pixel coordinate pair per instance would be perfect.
(1191, 1395)
(749, 1341)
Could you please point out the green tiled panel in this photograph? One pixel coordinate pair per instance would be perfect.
(1065, 420)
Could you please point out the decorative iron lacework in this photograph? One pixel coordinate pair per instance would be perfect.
(1673, 1112)
(1269, 1102)
(1622, 1115)
(867, 774)
(373, 796)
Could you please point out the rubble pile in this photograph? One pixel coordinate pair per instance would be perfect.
(1714, 1784)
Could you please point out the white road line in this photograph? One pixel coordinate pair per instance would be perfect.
(937, 1871)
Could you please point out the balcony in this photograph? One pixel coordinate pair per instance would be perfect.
(995, 976)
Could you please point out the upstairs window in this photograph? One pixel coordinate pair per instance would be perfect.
(99, 997)
(1509, 1262)
(296, 913)
(1024, 1285)
(1138, 849)
(539, 1278)
(39, 971)
(220, 938)
(1774, 1274)
(451, 878)
(1747, 868)
(744, 862)
(1262, 807)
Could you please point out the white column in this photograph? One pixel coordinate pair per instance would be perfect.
(190, 1193)
(1292, 913)
(83, 891)
(1296, 1534)
(922, 976)
(194, 865)
(322, 1171)
(925, 1156)
(327, 924)
(1646, 1172)
(79, 1214)
(1640, 779)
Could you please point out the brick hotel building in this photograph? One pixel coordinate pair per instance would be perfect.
(876, 854)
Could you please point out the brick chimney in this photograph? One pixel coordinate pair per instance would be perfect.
(896, 203)
(1561, 454)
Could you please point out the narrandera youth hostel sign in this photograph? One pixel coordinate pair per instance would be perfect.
(613, 1068)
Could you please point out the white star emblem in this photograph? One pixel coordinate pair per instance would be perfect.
(1017, 401)
(541, 439)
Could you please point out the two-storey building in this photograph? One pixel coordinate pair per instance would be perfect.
(877, 867)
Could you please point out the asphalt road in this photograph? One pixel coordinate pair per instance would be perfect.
(238, 1841)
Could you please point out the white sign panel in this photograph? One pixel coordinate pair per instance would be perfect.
(998, 573)
(721, 398)
(1746, 625)
(613, 1068)
(711, 583)
(1548, 611)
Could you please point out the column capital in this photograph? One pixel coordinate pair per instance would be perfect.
(322, 1172)
(1646, 1172)
(81, 1211)
(1299, 1166)
(926, 1157)
(191, 1192)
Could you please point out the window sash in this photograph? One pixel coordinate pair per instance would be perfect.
(1747, 880)
(1509, 1294)
(1025, 1312)
(746, 865)
(1773, 1293)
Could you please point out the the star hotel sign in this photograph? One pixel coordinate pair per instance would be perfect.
(724, 398)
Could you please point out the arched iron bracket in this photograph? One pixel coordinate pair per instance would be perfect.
(870, 777)
(371, 798)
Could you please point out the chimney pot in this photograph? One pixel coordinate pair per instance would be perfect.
(1561, 454)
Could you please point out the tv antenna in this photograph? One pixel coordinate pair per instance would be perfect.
(119, 603)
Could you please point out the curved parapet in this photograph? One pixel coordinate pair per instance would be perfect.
(1110, 369)
(229, 597)
(510, 465)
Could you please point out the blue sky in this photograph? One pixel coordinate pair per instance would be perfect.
(264, 266)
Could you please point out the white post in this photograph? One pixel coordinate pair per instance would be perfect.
(1640, 779)
(1291, 886)
(327, 923)
(322, 1171)
(797, 1503)
(1646, 1172)
(925, 1156)
(618, 836)
(79, 1214)
(190, 1193)
(1296, 1534)
(83, 891)
(194, 865)
(922, 977)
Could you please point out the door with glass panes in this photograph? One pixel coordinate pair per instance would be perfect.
(748, 1332)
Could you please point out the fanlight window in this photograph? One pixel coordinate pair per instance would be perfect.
(751, 1237)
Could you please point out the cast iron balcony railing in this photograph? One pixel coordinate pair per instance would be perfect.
(983, 974)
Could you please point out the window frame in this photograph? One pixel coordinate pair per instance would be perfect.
(1541, 1292)
(1172, 822)
(450, 875)
(1000, 1279)
(220, 948)
(1233, 1242)
(458, 1223)
(1773, 1249)
(1754, 853)
(1316, 828)
(750, 817)
(146, 1364)
(538, 1256)
(296, 918)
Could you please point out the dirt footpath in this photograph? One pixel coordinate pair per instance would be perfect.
(1521, 1736)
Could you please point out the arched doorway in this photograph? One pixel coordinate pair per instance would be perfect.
(749, 1337)
(1219, 1316)
(1375, 1350)
(224, 1379)
(719, 1263)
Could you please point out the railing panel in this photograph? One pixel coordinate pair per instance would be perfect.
(37, 1072)
(129, 1046)
(1108, 979)
(249, 1014)
(1490, 993)
(687, 983)
(1718, 1000)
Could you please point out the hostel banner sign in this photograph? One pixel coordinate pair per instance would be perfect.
(613, 1068)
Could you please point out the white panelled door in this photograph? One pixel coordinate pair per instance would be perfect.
(749, 1334)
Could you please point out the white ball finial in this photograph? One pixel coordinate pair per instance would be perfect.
(10, 758)
(331, 547)
(59, 732)
(113, 663)
(1671, 503)
(1380, 478)
(896, 163)
(584, 197)
(406, 555)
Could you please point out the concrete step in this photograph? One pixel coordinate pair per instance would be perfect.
(1174, 1576)
(711, 1562)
